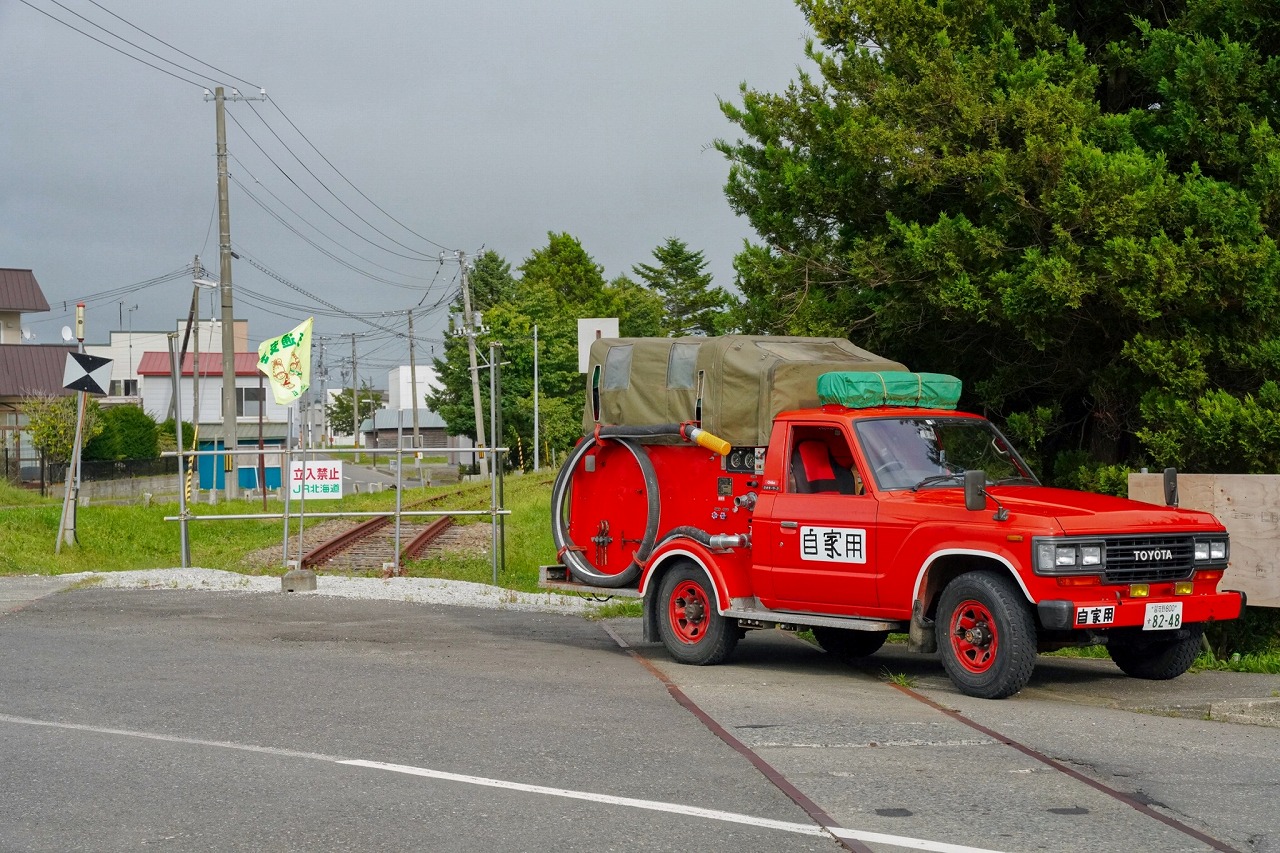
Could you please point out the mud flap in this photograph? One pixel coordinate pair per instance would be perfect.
(920, 636)
(649, 616)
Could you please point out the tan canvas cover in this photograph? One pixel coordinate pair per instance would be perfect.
(745, 380)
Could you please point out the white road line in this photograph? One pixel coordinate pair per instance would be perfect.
(651, 805)
(627, 802)
(902, 841)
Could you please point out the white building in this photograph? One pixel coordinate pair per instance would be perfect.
(125, 349)
(400, 386)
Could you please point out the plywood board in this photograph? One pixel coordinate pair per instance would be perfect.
(1249, 506)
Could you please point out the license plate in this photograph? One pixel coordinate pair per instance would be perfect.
(1163, 616)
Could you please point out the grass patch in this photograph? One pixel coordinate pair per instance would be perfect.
(899, 678)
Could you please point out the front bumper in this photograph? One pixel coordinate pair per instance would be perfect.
(1061, 615)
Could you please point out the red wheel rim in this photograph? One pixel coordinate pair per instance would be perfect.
(974, 638)
(687, 611)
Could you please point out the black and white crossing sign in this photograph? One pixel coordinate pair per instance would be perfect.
(84, 372)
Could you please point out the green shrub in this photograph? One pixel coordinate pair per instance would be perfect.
(128, 433)
(1256, 632)
(1075, 470)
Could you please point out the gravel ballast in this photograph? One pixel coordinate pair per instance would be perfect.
(416, 590)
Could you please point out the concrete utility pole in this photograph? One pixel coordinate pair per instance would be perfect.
(536, 438)
(469, 329)
(413, 385)
(355, 398)
(228, 315)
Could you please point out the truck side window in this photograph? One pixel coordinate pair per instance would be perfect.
(821, 464)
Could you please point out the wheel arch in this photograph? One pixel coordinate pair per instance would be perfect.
(658, 568)
(946, 565)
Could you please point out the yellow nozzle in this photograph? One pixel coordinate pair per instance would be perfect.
(714, 443)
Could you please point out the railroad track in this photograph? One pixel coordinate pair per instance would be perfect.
(370, 545)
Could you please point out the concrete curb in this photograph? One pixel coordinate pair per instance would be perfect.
(1254, 712)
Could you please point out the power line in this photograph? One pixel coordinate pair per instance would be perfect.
(348, 181)
(418, 256)
(171, 47)
(116, 49)
(347, 264)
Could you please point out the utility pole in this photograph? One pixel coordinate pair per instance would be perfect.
(228, 315)
(536, 437)
(355, 398)
(413, 386)
(469, 329)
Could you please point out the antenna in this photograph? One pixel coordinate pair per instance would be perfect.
(66, 334)
(27, 334)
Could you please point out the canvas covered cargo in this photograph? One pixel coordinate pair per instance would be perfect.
(862, 390)
(733, 384)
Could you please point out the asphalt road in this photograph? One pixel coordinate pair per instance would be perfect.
(189, 720)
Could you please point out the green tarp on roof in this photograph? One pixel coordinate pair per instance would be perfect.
(862, 390)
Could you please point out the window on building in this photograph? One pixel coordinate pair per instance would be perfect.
(249, 402)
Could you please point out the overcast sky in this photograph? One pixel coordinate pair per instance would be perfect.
(474, 124)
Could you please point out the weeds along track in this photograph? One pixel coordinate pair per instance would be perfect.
(370, 545)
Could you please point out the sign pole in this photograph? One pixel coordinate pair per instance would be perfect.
(71, 497)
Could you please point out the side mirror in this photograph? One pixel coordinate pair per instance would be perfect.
(975, 495)
(1170, 486)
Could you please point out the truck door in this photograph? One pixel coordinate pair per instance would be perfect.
(820, 531)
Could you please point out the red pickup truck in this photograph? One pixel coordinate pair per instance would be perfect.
(812, 485)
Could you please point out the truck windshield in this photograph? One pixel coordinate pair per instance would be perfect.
(921, 453)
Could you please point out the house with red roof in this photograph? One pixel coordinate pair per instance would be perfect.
(26, 370)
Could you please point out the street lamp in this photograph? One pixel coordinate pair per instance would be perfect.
(201, 284)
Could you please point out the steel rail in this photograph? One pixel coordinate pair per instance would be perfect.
(424, 539)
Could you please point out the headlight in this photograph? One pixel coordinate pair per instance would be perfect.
(1212, 550)
(1056, 557)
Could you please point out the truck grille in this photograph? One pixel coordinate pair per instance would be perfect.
(1149, 559)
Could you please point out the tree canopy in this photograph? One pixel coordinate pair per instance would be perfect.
(558, 284)
(1072, 207)
(692, 306)
(52, 423)
(341, 411)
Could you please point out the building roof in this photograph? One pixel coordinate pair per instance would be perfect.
(27, 369)
(390, 419)
(20, 292)
(158, 364)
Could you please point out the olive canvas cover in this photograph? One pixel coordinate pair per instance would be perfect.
(734, 384)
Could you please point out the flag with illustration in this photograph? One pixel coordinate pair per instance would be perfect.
(287, 362)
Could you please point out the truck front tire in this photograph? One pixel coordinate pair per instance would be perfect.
(689, 623)
(1157, 660)
(986, 635)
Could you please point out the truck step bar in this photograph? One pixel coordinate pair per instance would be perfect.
(753, 614)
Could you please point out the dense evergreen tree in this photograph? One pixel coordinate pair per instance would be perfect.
(692, 306)
(1073, 207)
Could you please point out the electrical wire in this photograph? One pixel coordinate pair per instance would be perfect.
(113, 47)
(171, 47)
(339, 173)
(418, 256)
(312, 225)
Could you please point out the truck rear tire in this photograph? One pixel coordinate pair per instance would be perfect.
(850, 645)
(689, 623)
(1157, 660)
(986, 635)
